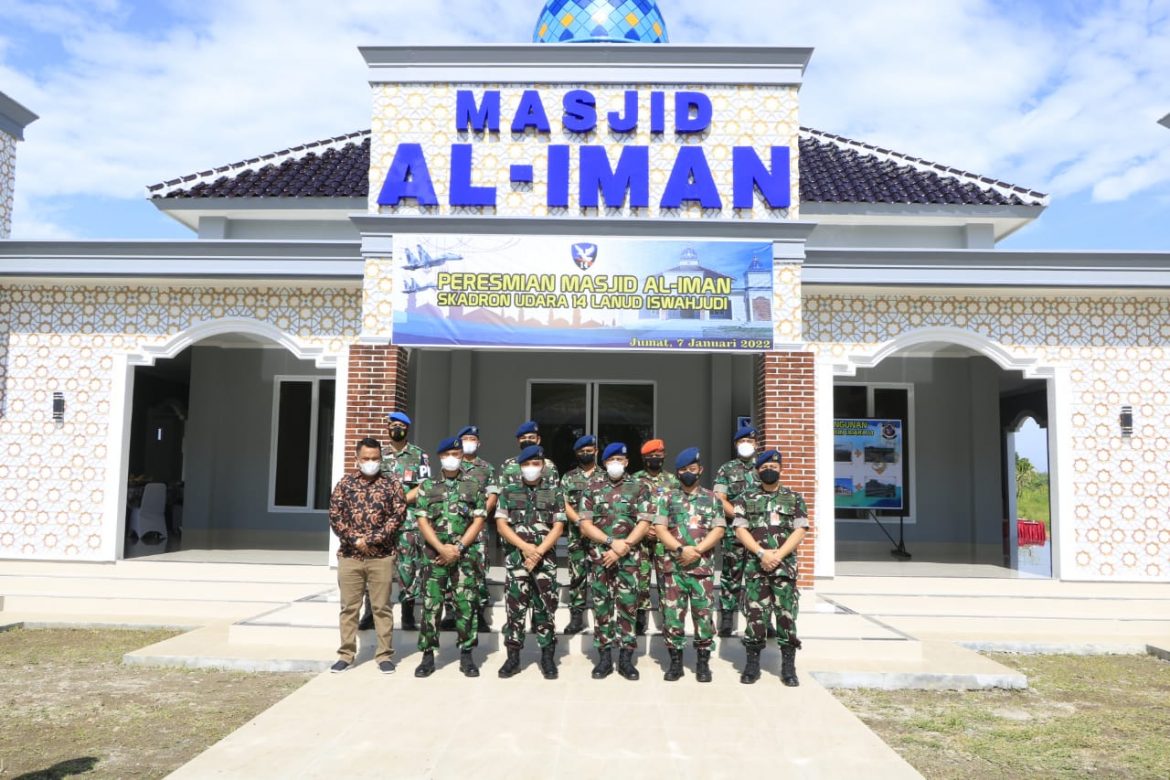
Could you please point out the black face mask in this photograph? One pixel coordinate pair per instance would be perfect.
(586, 458)
(654, 464)
(528, 443)
(688, 478)
(398, 434)
(769, 477)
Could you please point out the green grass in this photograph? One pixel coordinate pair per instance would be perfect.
(1032, 502)
(1083, 716)
(68, 706)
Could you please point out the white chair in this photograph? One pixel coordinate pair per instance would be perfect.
(151, 517)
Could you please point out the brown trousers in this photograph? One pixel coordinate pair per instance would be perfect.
(354, 579)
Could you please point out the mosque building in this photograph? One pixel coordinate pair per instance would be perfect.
(626, 237)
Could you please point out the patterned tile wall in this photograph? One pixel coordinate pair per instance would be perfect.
(1117, 351)
(425, 114)
(53, 479)
(7, 182)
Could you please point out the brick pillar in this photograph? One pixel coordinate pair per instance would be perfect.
(377, 386)
(784, 415)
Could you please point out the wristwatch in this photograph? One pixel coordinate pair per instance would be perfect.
(760, 553)
(460, 546)
(677, 551)
(609, 541)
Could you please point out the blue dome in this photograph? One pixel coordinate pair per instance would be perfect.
(600, 21)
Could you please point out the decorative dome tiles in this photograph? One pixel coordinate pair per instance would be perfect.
(600, 21)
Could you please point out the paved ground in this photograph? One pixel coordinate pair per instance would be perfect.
(860, 631)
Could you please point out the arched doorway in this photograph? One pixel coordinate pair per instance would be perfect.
(230, 442)
(957, 398)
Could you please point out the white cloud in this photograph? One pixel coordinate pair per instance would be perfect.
(1062, 104)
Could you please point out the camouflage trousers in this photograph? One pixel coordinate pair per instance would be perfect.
(650, 552)
(731, 578)
(678, 590)
(579, 569)
(766, 597)
(535, 590)
(615, 602)
(456, 583)
(411, 563)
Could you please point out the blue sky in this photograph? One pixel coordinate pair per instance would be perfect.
(1061, 97)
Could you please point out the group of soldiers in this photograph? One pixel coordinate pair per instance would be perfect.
(620, 529)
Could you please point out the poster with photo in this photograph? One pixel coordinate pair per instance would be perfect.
(867, 460)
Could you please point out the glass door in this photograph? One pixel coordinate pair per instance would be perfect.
(611, 411)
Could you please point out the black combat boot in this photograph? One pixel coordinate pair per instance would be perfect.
(427, 666)
(725, 620)
(640, 623)
(367, 621)
(788, 666)
(576, 622)
(604, 667)
(467, 664)
(408, 623)
(703, 666)
(675, 671)
(626, 664)
(548, 664)
(751, 670)
(512, 665)
(481, 623)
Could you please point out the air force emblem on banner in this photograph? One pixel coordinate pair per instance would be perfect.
(584, 255)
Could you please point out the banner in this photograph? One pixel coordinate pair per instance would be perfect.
(867, 460)
(549, 292)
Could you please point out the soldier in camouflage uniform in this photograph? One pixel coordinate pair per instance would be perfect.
(450, 509)
(527, 435)
(770, 522)
(574, 483)
(693, 525)
(660, 482)
(731, 480)
(485, 474)
(616, 512)
(530, 517)
(411, 464)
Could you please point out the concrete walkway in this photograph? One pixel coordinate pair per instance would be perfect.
(883, 632)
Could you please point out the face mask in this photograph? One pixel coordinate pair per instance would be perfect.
(450, 462)
(615, 469)
(527, 443)
(470, 447)
(370, 467)
(745, 449)
(769, 477)
(531, 473)
(654, 464)
(688, 478)
(586, 458)
(398, 434)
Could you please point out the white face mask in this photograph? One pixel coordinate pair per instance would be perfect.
(470, 447)
(531, 473)
(745, 449)
(451, 462)
(615, 469)
(370, 467)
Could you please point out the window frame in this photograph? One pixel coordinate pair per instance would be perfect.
(274, 438)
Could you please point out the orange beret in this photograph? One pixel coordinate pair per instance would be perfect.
(654, 445)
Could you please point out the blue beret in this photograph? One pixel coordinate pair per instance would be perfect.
(450, 443)
(398, 417)
(687, 457)
(469, 430)
(528, 427)
(585, 441)
(746, 432)
(767, 456)
(617, 448)
(530, 452)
